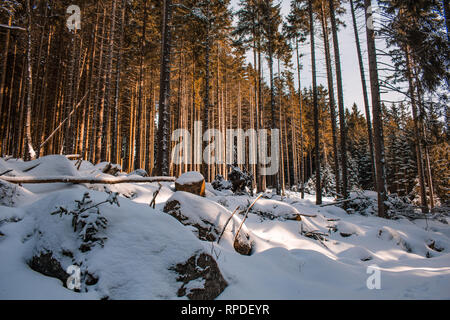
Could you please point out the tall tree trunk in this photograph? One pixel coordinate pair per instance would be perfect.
(300, 105)
(114, 152)
(106, 144)
(10, 119)
(205, 123)
(377, 112)
(100, 113)
(163, 136)
(417, 133)
(282, 168)
(2, 86)
(276, 178)
(137, 159)
(365, 93)
(340, 90)
(89, 128)
(331, 98)
(29, 151)
(68, 132)
(315, 106)
(427, 169)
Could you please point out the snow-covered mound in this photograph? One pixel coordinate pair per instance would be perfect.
(53, 165)
(209, 219)
(139, 252)
(141, 247)
(265, 208)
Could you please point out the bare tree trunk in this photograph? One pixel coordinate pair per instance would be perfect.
(205, 124)
(332, 99)
(2, 86)
(99, 101)
(316, 107)
(89, 127)
(300, 104)
(10, 119)
(163, 135)
(114, 152)
(340, 90)
(29, 151)
(365, 93)
(137, 159)
(282, 173)
(417, 133)
(377, 113)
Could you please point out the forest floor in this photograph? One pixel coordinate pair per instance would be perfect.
(329, 254)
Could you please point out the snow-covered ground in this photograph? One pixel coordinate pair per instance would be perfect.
(142, 244)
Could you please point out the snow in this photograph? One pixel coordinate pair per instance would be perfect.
(143, 243)
(206, 213)
(190, 178)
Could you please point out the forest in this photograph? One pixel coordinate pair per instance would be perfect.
(115, 86)
(135, 135)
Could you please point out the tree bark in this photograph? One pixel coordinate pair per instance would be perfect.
(163, 135)
(29, 151)
(332, 99)
(340, 90)
(365, 93)
(316, 107)
(377, 113)
(2, 85)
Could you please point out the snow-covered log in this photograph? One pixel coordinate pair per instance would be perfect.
(91, 180)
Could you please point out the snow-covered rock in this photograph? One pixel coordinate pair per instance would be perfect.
(208, 219)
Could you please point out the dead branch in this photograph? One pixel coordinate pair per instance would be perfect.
(12, 27)
(31, 168)
(155, 194)
(7, 171)
(62, 122)
(246, 215)
(229, 219)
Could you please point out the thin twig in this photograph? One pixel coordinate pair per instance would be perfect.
(7, 171)
(229, 219)
(245, 217)
(31, 168)
(61, 124)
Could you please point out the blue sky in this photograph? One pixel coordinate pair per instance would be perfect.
(349, 59)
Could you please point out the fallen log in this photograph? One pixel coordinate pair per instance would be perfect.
(73, 156)
(91, 180)
(308, 215)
